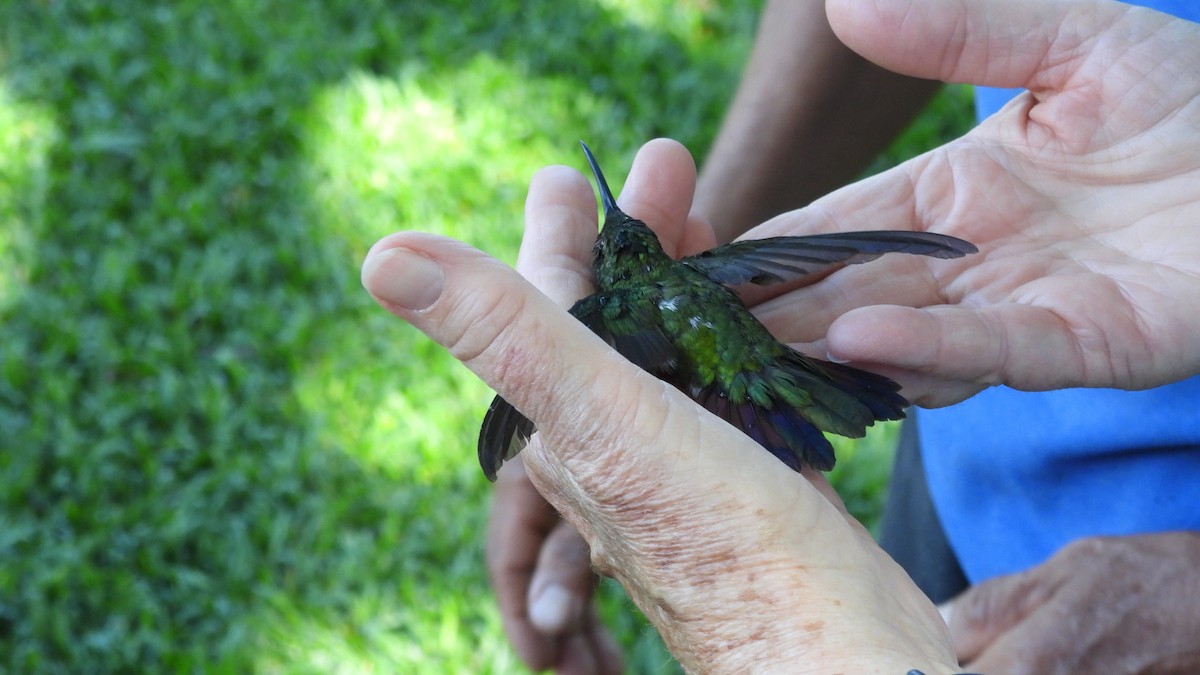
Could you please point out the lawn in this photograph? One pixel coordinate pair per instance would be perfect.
(216, 453)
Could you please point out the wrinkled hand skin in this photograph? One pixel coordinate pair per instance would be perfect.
(1115, 605)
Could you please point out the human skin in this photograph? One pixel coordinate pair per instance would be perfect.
(1079, 194)
(1100, 605)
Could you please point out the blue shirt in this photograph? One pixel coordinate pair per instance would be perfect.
(1015, 476)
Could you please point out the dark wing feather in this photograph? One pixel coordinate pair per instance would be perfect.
(626, 326)
(778, 259)
(503, 434)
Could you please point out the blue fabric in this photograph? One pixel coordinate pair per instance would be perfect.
(1015, 476)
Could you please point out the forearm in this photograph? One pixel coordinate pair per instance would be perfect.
(807, 118)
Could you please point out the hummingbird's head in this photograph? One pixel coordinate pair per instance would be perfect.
(625, 237)
(625, 247)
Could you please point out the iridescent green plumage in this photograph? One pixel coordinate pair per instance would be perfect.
(678, 320)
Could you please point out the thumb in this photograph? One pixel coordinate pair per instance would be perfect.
(984, 613)
(959, 40)
(532, 352)
(562, 583)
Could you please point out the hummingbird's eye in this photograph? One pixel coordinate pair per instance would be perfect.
(622, 240)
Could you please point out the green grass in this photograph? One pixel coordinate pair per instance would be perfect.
(216, 454)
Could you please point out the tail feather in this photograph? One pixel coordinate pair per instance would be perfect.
(783, 430)
(786, 409)
(879, 394)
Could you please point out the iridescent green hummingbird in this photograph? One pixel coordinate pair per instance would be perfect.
(680, 321)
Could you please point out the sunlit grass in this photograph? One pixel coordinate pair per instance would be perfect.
(26, 133)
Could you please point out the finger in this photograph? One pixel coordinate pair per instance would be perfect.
(1041, 643)
(1095, 71)
(659, 190)
(563, 582)
(560, 230)
(805, 315)
(982, 614)
(963, 40)
(560, 217)
(604, 424)
(520, 521)
(590, 650)
(1011, 344)
(577, 657)
(487, 315)
(609, 659)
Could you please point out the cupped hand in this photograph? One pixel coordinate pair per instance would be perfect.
(738, 562)
(1120, 605)
(1083, 196)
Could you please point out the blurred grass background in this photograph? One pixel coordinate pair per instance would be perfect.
(216, 453)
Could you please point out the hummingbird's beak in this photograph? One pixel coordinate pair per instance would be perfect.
(606, 195)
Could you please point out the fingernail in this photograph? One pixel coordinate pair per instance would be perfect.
(833, 359)
(552, 610)
(404, 278)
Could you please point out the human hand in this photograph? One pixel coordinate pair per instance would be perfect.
(1083, 197)
(540, 568)
(738, 563)
(1118, 605)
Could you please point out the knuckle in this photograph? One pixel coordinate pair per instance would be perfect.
(485, 316)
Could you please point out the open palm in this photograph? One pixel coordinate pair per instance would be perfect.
(1083, 197)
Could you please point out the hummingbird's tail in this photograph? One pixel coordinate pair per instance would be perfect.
(606, 196)
(786, 408)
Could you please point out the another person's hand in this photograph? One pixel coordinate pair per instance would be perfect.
(740, 563)
(1083, 197)
(1119, 605)
(541, 570)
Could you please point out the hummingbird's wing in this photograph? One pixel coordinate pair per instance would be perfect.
(625, 325)
(778, 259)
(504, 432)
(629, 327)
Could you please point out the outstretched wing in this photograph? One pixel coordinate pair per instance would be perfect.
(778, 259)
(621, 322)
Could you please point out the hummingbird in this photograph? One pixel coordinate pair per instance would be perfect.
(681, 321)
